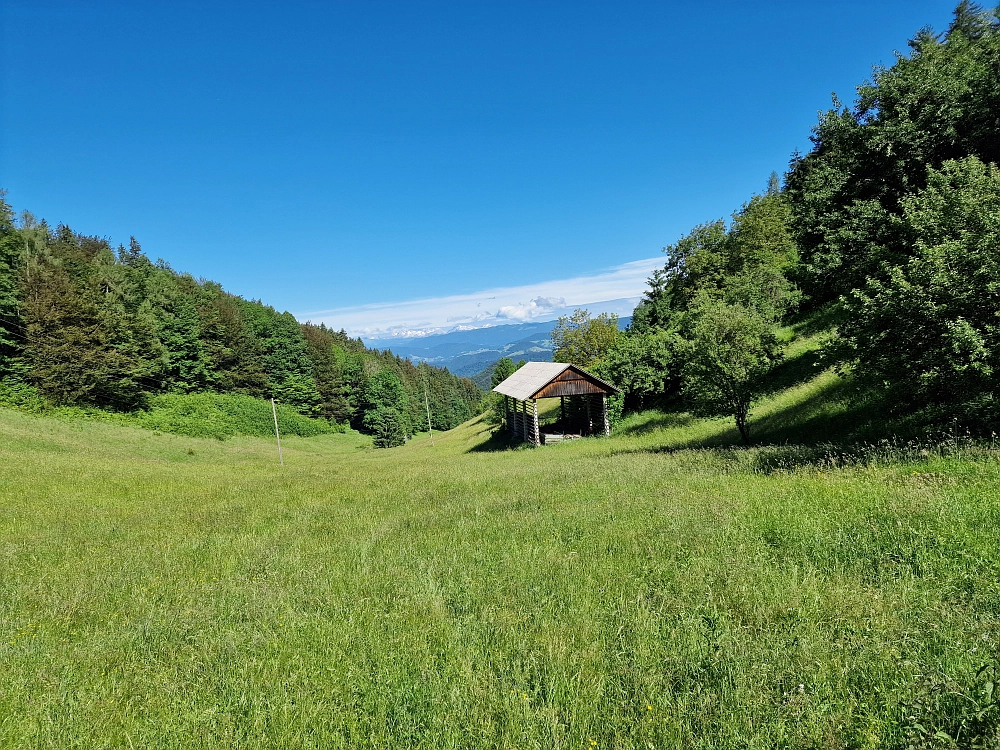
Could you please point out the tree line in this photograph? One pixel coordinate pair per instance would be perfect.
(887, 230)
(91, 325)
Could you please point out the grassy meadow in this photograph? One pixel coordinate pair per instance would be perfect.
(661, 588)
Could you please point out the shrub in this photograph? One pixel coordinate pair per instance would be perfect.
(221, 416)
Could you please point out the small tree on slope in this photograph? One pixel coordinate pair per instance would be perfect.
(730, 351)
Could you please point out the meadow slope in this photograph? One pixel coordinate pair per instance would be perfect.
(631, 592)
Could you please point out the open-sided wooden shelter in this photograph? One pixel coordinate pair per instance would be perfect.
(583, 399)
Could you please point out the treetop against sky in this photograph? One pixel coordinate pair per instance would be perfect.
(326, 157)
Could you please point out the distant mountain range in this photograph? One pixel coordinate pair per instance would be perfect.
(473, 352)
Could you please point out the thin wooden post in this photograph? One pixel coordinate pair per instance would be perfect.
(562, 413)
(537, 434)
(274, 413)
(604, 409)
(590, 418)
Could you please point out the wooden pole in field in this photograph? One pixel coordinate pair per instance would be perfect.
(427, 403)
(274, 412)
(604, 410)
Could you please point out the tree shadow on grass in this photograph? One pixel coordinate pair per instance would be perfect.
(794, 371)
(833, 426)
(499, 440)
(660, 421)
(820, 321)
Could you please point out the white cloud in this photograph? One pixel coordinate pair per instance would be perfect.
(537, 308)
(622, 285)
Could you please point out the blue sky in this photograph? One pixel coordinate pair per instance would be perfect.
(342, 160)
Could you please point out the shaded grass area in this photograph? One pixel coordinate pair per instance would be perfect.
(805, 404)
(213, 415)
(631, 592)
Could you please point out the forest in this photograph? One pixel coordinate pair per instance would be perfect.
(85, 324)
(883, 241)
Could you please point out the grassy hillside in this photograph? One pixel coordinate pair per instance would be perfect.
(214, 415)
(639, 591)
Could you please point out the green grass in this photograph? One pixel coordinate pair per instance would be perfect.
(640, 591)
(213, 415)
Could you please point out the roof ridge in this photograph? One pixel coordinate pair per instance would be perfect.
(532, 377)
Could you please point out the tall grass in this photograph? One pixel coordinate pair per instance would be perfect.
(208, 415)
(221, 416)
(639, 591)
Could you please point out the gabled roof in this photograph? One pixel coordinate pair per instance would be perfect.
(534, 376)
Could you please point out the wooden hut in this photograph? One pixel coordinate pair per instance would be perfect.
(583, 401)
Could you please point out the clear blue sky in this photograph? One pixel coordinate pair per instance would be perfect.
(321, 155)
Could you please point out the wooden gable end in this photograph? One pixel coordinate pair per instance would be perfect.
(572, 382)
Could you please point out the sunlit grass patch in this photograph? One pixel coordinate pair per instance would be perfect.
(642, 590)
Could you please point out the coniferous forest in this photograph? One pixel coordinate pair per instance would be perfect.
(85, 324)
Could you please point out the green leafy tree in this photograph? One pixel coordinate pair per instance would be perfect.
(284, 355)
(846, 195)
(645, 366)
(928, 331)
(730, 351)
(746, 263)
(495, 408)
(183, 365)
(581, 339)
(234, 353)
(697, 261)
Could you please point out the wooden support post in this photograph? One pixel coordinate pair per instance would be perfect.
(562, 413)
(524, 420)
(274, 413)
(590, 418)
(604, 409)
(537, 435)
